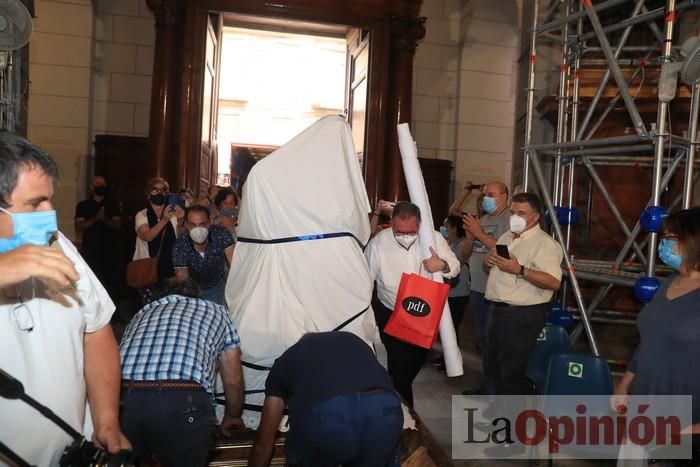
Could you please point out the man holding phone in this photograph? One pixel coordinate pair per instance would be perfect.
(524, 272)
(482, 234)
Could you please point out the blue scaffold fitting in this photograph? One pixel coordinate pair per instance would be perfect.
(559, 317)
(652, 218)
(645, 288)
(565, 216)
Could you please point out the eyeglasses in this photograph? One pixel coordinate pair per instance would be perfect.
(23, 317)
(21, 313)
(158, 189)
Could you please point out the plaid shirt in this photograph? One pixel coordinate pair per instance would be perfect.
(177, 338)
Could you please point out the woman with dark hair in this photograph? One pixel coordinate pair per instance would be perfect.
(157, 229)
(665, 361)
(226, 202)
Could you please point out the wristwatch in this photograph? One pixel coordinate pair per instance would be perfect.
(446, 268)
(521, 273)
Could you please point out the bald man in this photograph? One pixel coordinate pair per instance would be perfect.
(482, 234)
(97, 221)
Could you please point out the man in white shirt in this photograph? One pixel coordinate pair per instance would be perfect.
(518, 291)
(55, 336)
(391, 253)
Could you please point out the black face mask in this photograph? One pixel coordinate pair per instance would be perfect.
(100, 190)
(158, 199)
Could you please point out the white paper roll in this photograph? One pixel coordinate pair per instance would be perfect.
(426, 240)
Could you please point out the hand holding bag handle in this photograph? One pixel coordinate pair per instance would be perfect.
(143, 273)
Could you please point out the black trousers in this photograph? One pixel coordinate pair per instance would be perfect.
(175, 425)
(512, 334)
(404, 360)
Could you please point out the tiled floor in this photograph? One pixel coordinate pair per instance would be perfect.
(432, 398)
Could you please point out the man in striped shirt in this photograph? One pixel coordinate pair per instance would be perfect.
(169, 353)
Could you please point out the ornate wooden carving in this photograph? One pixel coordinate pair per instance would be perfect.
(406, 32)
(167, 12)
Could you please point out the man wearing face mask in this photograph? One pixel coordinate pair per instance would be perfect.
(55, 336)
(391, 253)
(518, 292)
(204, 254)
(97, 221)
(482, 234)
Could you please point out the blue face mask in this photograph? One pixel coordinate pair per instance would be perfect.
(229, 212)
(443, 231)
(667, 255)
(35, 228)
(488, 204)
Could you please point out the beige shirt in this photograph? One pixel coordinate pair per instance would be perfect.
(536, 250)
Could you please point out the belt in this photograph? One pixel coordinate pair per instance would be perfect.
(509, 305)
(162, 384)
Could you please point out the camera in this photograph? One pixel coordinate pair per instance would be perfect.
(83, 453)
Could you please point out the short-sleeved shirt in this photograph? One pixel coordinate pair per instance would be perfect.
(98, 239)
(462, 286)
(177, 338)
(535, 250)
(324, 365)
(494, 227)
(209, 269)
(49, 359)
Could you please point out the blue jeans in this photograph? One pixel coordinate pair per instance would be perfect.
(175, 425)
(215, 293)
(353, 430)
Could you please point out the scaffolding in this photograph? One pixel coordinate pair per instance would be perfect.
(575, 27)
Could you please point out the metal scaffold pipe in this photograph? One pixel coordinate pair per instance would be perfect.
(609, 201)
(608, 73)
(693, 147)
(530, 111)
(613, 102)
(661, 122)
(576, 288)
(562, 107)
(615, 69)
(644, 17)
(606, 150)
(573, 17)
(613, 140)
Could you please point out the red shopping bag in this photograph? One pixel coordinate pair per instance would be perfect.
(417, 311)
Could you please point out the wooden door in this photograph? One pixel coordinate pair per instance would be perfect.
(356, 81)
(208, 162)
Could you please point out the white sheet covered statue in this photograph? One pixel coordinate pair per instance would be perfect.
(298, 265)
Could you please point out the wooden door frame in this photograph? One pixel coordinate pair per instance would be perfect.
(394, 29)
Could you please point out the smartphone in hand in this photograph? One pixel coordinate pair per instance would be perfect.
(176, 200)
(502, 251)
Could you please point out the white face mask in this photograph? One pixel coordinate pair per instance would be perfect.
(517, 224)
(406, 240)
(199, 234)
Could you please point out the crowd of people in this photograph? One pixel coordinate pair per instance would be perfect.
(154, 392)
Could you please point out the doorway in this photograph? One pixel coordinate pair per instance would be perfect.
(273, 85)
(268, 79)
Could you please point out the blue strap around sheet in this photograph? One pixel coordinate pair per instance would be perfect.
(301, 238)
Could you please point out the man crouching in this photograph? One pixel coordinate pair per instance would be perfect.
(169, 353)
